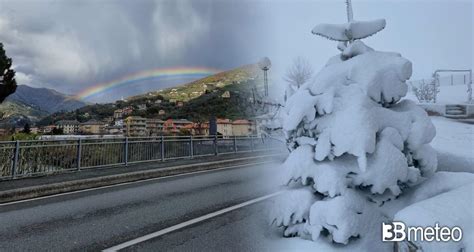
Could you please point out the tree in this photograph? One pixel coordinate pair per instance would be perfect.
(7, 75)
(299, 73)
(57, 131)
(26, 129)
(354, 146)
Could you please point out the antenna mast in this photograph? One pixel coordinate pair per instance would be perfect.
(350, 13)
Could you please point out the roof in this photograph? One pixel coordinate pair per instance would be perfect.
(67, 122)
(151, 120)
(92, 122)
(196, 126)
(182, 121)
(135, 118)
(242, 122)
(222, 121)
(113, 127)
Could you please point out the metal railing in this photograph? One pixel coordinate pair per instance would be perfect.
(41, 157)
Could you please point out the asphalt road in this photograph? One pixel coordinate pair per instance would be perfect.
(98, 219)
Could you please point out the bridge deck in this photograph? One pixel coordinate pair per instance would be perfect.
(106, 171)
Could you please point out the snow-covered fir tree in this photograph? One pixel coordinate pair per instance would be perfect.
(354, 143)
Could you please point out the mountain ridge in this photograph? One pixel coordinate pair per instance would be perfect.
(45, 99)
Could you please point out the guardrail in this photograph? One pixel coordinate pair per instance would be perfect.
(41, 157)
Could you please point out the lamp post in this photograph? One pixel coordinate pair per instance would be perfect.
(265, 65)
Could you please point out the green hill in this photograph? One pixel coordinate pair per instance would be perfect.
(225, 95)
(197, 88)
(16, 114)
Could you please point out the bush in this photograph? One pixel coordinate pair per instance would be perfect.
(426, 92)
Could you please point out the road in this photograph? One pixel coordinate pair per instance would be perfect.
(98, 219)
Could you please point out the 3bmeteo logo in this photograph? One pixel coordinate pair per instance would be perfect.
(398, 231)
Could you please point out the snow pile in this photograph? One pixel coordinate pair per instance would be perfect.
(354, 145)
(439, 209)
(454, 143)
(349, 31)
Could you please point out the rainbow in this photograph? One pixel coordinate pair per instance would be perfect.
(159, 73)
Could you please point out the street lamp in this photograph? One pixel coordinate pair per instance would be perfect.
(265, 65)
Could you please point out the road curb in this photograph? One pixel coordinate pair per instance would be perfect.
(75, 185)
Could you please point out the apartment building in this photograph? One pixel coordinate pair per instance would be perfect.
(69, 127)
(135, 126)
(154, 127)
(92, 127)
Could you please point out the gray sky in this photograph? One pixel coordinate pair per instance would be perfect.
(70, 45)
(432, 34)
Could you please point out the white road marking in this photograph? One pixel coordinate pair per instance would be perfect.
(128, 183)
(188, 223)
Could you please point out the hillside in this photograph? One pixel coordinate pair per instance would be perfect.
(227, 95)
(44, 99)
(13, 113)
(197, 88)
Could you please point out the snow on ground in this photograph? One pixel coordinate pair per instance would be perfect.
(439, 209)
(454, 142)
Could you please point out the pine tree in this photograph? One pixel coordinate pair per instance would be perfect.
(26, 129)
(7, 75)
(354, 144)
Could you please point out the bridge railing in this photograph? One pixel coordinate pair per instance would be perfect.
(41, 157)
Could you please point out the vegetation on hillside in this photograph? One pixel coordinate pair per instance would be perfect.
(200, 109)
(224, 95)
(197, 88)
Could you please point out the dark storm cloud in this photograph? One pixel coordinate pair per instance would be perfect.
(70, 45)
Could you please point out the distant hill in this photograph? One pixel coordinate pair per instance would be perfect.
(225, 95)
(45, 99)
(17, 114)
(30, 105)
(197, 88)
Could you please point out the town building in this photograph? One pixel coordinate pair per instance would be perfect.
(226, 94)
(243, 128)
(154, 127)
(114, 130)
(92, 127)
(69, 127)
(142, 107)
(199, 129)
(224, 127)
(135, 126)
(109, 120)
(118, 122)
(118, 114)
(174, 126)
(47, 129)
(4, 132)
(127, 111)
(161, 112)
(34, 130)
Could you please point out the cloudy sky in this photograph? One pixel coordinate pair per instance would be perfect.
(433, 34)
(70, 45)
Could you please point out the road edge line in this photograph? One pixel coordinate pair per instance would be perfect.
(188, 223)
(130, 182)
